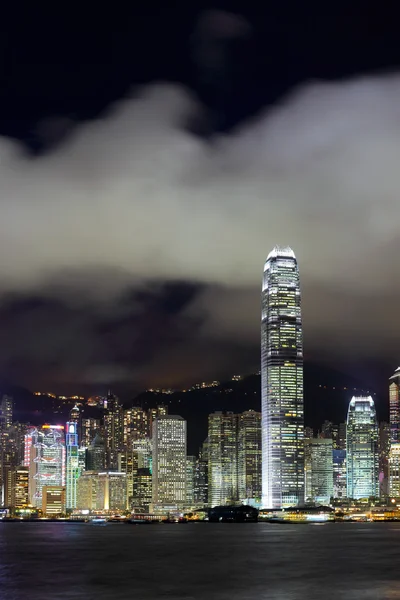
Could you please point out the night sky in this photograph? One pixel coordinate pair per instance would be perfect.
(149, 161)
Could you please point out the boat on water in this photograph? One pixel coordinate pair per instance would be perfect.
(99, 521)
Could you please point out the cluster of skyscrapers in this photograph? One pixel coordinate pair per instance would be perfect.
(356, 460)
(136, 458)
(130, 459)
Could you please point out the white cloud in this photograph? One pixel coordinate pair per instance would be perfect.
(135, 191)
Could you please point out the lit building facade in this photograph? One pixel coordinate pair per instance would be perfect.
(6, 412)
(96, 454)
(47, 461)
(102, 491)
(144, 487)
(249, 456)
(384, 451)
(222, 458)
(53, 500)
(169, 461)
(394, 406)
(190, 474)
(114, 429)
(394, 470)
(318, 465)
(21, 489)
(362, 449)
(339, 473)
(89, 428)
(282, 382)
(201, 481)
(136, 424)
(72, 463)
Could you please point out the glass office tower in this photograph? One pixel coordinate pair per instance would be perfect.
(362, 449)
(282, 382)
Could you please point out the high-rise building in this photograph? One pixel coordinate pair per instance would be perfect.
(169, 461)
(143, 449)
(341, 437)
(201, 481)
(47, 461)
(282, 382)
(102, 491)
(362, 449)
(384, 451)
(89, 427)
(318, 470)
(53, 500)
(7, 451)
(160, 411)
(112, 491)
(249, 456)
(6, 412)
(394, 470)
(339, 474)
(222, 459)
(190, 475)
(136, 424)
(114, 429)
(96, 454)
(394, 406)
(21, 490)
(144, 488)
(72, 460)
(128, 464)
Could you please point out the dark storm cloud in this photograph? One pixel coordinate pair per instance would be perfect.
(52, 337)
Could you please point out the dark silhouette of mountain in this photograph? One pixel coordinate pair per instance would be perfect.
(327, 393)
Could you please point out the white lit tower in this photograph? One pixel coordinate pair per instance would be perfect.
(282, 382)
(72, 463)
(394, 406)
(362, 449)
(169, 461)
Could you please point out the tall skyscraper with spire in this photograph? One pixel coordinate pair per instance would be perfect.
(282, 382)
(394, 406)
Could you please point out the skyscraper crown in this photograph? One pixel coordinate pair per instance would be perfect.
(284, 251)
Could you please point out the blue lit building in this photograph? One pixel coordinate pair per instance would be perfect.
(72, 464)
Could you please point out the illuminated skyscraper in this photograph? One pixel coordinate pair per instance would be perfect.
(114, 429)
(169, 461)
(102, 491)
(72, 470)
(96, 454)
(47, 461)
(190, 474)
(21, 490)
(339, 474)
(318, 470)
(362, 449)
(222, 459)
(89, 428)
(136, 424)
(394, 470)
(6, 412)
(249, 456)
(384, 451)
(394, 406)
(282, 382)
